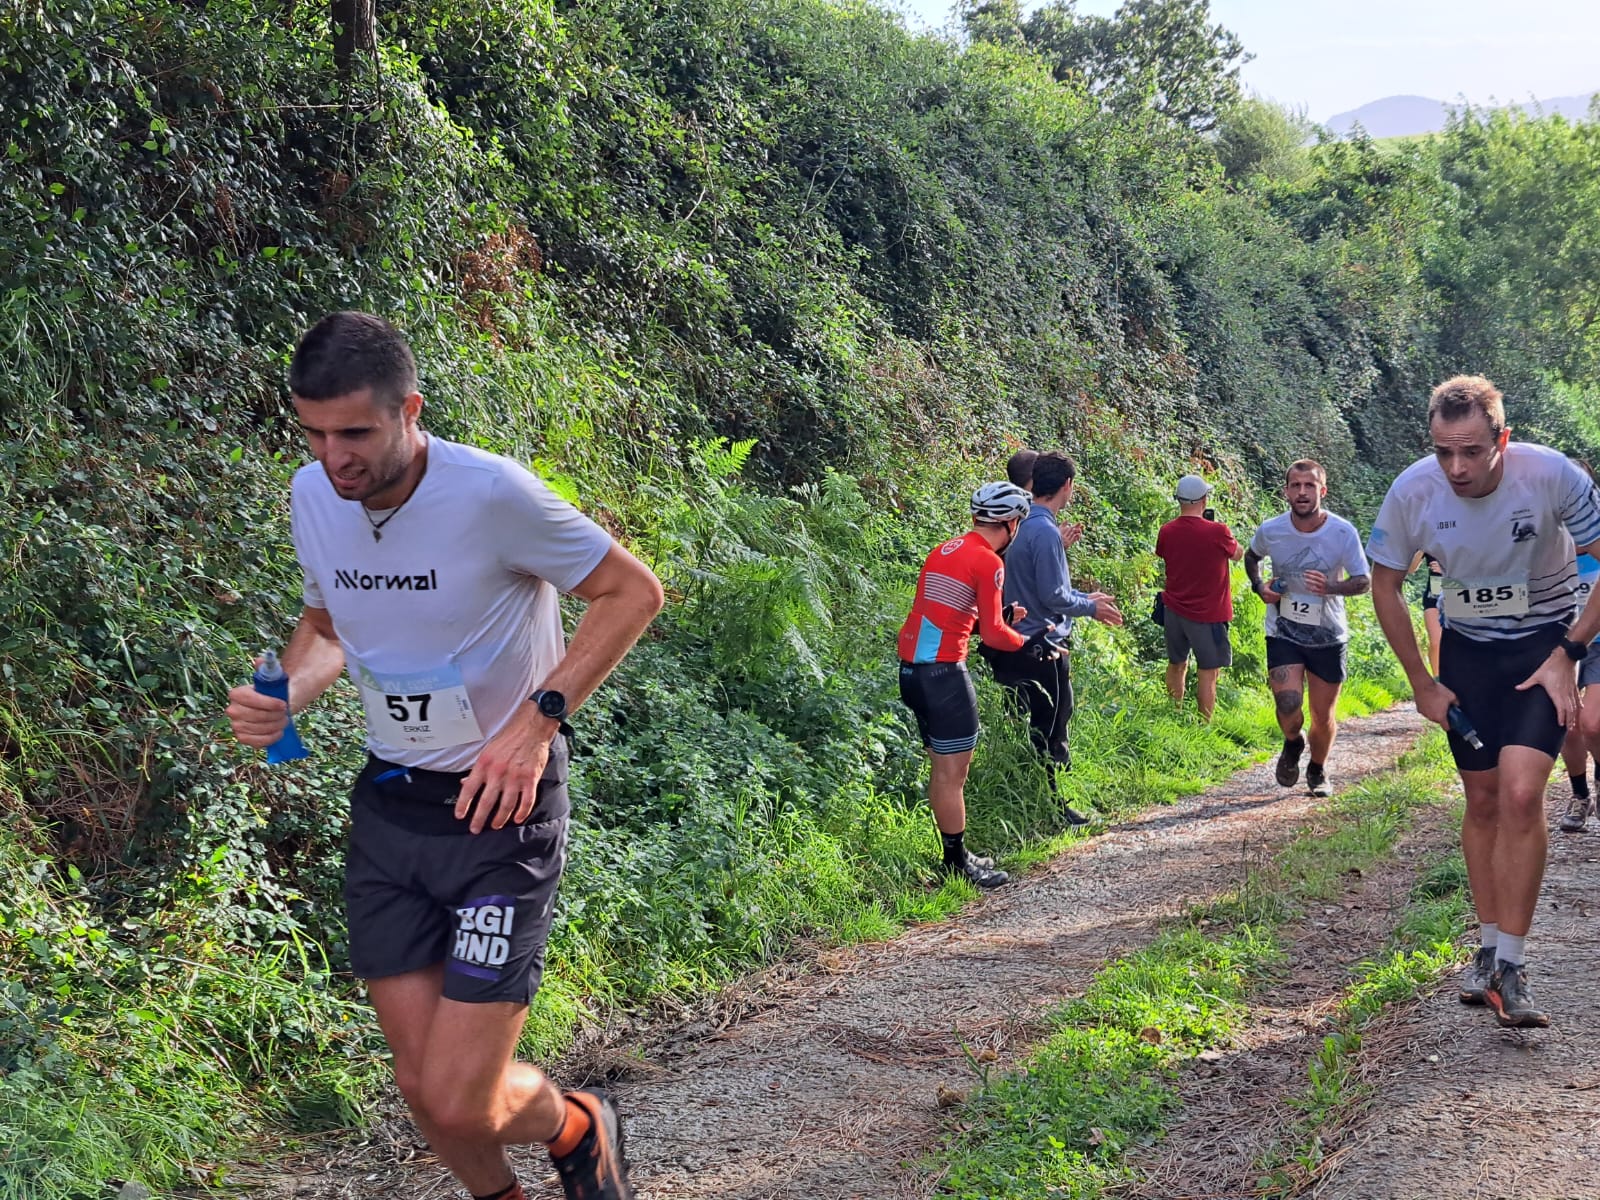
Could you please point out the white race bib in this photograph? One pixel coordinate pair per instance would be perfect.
(1465, 599)
(1586, 582)
(1301, 607)
(426, 709)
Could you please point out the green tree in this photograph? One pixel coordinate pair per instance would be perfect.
(1166, 53)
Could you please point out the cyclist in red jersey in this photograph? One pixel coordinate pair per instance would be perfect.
(959, 590)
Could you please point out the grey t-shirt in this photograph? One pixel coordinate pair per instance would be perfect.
(1335, 550)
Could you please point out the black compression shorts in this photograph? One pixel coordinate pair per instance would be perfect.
(941, 696)
(420, 889)
(1484, 676)
(1327, 663)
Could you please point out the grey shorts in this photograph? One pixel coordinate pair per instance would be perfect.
(1589, 668)
(1208, 640)
(421, 890)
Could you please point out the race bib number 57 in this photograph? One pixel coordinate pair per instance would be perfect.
(426, 709)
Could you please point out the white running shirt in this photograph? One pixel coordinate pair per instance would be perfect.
(1334, 549)
(1508, 557)
(451, 620)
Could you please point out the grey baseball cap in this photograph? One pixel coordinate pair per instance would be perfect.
(1192, 488)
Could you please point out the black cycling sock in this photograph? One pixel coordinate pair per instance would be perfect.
(1580, 786)
(955, 850)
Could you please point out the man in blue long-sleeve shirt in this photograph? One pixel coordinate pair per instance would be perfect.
(1037, 579)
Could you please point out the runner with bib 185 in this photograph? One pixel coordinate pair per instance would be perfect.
(1502, 518)
(1316, 562)
(430, 574)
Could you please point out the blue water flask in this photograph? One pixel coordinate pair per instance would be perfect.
(271, 679)
(1463, 727)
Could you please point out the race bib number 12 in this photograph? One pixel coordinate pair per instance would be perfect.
(1302, 608)
(426, 709)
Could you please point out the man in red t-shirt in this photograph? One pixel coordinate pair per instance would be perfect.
(1198, 595)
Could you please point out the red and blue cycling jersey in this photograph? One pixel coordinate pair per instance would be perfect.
(958, 590)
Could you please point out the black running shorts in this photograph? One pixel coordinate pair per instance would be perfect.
(1327, 663)
(1484, 676)
(940, 695)
(420, 889)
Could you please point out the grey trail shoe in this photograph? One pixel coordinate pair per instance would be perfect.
(1475, 979)
(597, 1168)
(1511, 998)
(1576, 814)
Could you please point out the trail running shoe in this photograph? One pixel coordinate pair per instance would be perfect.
(1576, 814)
(1511, 998)
(1073, 817)
(1288, 772)
(1475, 979)
(972, 869)
(597, 1168)
(1317, 780)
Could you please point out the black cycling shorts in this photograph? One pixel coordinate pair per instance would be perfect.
(420, 889)
(1327, 663)
(941, 696)
(1484, 676)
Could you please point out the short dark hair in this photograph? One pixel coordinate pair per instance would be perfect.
(1051, 473)
(1463, 395)
(1307, 464)
(347, 351)
(1019, 467)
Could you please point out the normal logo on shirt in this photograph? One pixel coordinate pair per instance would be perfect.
(483, 936)
(362, 582)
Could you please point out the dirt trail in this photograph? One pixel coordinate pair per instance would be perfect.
(1237, 1102)
(1467, 1110)
(831, 1083)
(827, 1094)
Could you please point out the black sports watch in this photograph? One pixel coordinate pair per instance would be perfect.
(551, 703)
(1576, 651)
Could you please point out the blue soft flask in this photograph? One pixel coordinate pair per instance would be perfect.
(272, 680)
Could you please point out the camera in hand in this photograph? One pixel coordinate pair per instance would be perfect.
(1210, 514)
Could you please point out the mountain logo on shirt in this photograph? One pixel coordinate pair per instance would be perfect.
(360, 581)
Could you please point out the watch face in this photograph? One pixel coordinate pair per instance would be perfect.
(552, 704)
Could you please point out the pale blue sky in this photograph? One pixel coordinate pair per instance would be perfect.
(1332, 57)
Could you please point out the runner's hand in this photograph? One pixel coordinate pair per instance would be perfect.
(1557, 675)
(1268, 596)
(1105, 608)
(1016, 613)
(505, 779)
(1070, 534)
(1316, 583)
(1434, 701)
(257, 720)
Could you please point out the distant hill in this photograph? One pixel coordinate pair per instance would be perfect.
(1400, 116)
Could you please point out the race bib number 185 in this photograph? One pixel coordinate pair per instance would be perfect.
(1464, 599)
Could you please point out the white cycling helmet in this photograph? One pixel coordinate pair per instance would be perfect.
(997, 503)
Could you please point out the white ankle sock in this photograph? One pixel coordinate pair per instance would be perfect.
(1489, 934)
(1510, 950)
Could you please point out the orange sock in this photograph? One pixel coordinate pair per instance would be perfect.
(577, 1123)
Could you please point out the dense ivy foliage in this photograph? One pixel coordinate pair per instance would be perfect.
(765, 286)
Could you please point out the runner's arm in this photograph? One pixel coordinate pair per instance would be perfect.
(313, 659)
(1394, 617)
(1252, 570)
(623, 597)
(1587, 626)
(1354, 585)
